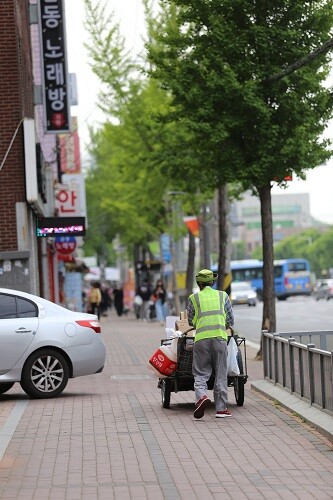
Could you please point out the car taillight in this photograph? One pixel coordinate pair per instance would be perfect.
(88, 323)
(285, 281)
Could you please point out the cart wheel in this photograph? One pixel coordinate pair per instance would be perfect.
(239, 382)
(165, 392)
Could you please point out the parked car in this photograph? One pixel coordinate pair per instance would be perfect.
(44, 344)
(243, 293)
(323, 290)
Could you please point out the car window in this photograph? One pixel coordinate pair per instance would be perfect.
(7, 306)
(26, 308)
(16, 307)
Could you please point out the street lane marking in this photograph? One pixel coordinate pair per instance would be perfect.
(8, 429)
(164, 477)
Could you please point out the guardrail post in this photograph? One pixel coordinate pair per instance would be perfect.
(323, 381)
(266, 354)
(276, 360)
(323, 342)
(311, 373)
(331, 375)
(291, 364)
(301, 371)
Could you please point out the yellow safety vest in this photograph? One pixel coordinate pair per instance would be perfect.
(209, 314)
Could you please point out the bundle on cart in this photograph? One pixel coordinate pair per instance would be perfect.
(164, 360)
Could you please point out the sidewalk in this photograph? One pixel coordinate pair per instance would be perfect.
(108, 437)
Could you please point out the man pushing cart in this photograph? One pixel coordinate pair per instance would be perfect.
(202, 359)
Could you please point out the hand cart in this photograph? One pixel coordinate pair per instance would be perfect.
(182, 379)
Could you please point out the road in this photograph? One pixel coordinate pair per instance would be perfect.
(294, 314)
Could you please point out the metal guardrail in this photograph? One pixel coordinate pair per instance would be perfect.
(323, 339)
(305, 370)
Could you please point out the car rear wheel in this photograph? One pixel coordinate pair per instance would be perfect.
(5, 387)
(45, 374)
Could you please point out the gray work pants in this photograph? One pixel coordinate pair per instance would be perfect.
(208, 355)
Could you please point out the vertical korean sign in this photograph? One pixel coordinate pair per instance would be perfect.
(55, 77)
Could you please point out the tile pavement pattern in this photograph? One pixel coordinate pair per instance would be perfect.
(107, 437)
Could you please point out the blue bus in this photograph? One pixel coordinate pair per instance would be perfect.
(291, 276)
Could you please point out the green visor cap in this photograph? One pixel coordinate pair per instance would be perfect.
(205, 276)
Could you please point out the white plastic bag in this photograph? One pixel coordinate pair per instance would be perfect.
(171, 333)
(233, 368)
(138, 300)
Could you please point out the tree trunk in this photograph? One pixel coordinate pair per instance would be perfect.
(190, 264)
(223, 234)
(269, 315)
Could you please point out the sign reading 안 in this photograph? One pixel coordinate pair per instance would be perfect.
(56, 89)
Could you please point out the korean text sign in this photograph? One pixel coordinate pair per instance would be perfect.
(56, 92)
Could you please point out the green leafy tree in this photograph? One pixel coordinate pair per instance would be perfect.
(216, 59)
(127, 188)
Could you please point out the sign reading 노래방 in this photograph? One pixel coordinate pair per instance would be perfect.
(55, 77)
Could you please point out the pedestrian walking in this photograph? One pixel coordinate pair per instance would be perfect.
(160, 297)
(210, 312)
(118, 299)
(105, 302)
(144, 291)
(95, 299)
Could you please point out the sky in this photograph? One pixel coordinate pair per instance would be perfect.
(129, 13)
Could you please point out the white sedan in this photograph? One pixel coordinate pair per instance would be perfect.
(243, 293)
(43, 344)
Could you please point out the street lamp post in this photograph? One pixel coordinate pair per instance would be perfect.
(205, 238)
(174, 211)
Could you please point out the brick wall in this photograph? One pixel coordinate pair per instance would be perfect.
(16, 102)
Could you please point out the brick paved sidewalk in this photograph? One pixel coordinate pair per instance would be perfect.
(108, 437)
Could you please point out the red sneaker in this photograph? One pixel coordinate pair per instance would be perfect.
(223, 414)
(201, 406)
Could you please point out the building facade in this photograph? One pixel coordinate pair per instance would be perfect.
(18, 247)
(38, 149)
(291, 214)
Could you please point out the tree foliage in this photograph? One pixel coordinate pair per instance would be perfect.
(132, 153)
(215, 58)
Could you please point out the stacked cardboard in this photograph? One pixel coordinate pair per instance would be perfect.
(182, 323)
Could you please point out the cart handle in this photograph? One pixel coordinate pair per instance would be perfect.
(188, 330)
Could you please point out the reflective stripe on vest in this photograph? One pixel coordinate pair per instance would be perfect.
(216, 327)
